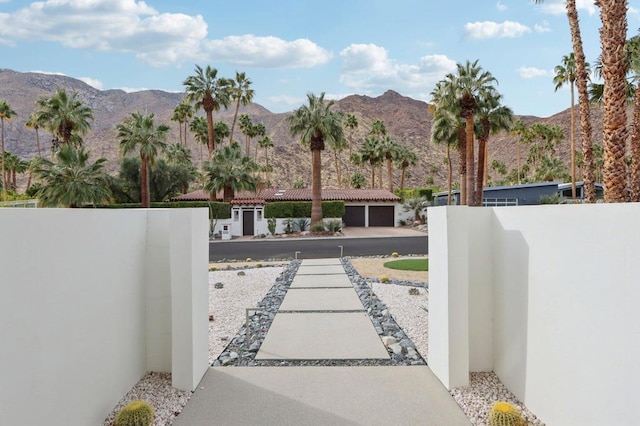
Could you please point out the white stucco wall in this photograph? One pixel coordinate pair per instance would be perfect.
(86, 307)
(565, 333)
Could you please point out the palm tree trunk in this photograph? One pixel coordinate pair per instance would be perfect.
(573, 143)
(470, 154)
(266, 166)
(449, 182)
(233, 124)
(145, 199)
(482, 143)
(390, 174)
(38, 143)
(335, 159)
(402, 174)
(4, 179)
(316, 187)
(211, 143)
(583, 101)
(519, 167)
(485, 176)
(635, 148)
(613, 38)
(373, 175)
(462, 163)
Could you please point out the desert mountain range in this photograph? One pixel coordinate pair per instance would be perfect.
(408, 121)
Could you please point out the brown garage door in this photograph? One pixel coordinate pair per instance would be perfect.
(353, 216)
(381, 216)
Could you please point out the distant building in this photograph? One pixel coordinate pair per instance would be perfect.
(520, 195)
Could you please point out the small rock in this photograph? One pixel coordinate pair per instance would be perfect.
(396, 348)
(389, 340)
(241, 274)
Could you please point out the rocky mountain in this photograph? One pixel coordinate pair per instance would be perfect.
(408, 121)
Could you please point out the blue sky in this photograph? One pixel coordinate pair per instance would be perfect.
(289, 48)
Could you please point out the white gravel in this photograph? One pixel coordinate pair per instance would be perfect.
(228, 304)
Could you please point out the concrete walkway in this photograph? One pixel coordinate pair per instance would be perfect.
(321, 318)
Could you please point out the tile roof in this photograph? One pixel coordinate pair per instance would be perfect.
(278, 194)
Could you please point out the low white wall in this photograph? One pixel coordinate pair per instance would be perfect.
(561, 328)
(86, 307)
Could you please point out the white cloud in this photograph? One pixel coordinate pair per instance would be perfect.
(96, 84)
(542, 28)
(501, 6)
(490, 29)
(288, 101)
(131, 26)
(559, 7)
(533, 72)
(368, 69)
(268, 52)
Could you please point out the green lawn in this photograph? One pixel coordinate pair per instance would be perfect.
(408, 264)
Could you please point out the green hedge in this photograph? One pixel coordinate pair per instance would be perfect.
(415, 193)
(285, 209)
(219, 210)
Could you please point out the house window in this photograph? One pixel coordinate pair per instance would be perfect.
(259, 215)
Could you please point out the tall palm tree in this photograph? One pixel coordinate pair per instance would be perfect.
(316, 124)
(378, 129)
(565, 73)
(230, 171)
(65, 116)
(266, 143)
(71, 181)
(138, 132)
(351, 123)
(220, 131)
(247, 129)
(370, 153)
(34, 122)
(388, 149)
(445, 130)
(198, 127)
(6, 113)
(614, 69)
(182, 113)
(337, 147)
(258, 131)
(583, 99)
(205, 90)
(405, 157)
(241, 94)
(493, 117)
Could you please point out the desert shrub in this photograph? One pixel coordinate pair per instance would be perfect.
(394, 254)
(218, 285)
(212, 268)
(302, 224)
(504, 414)
(271, 225)
(317, 227)
(414, 291)
(289, 224)
(384, 279)
(334, 225)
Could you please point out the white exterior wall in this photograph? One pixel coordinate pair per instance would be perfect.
(85, 307)
(565, 289)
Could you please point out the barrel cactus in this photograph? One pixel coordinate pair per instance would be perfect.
(504, 414)
(136, 413)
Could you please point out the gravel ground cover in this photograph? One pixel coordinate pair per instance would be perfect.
(391, 304)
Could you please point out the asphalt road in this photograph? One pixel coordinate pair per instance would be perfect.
(316, 248)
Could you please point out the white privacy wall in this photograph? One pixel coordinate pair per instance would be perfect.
(565, 289)
(86, 307)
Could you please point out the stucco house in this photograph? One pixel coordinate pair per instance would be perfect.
(363, 207)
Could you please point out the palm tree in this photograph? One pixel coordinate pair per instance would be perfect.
(241, 94)
(247, 129)
(378, 129)
(177, 153)
(614, 69)
(370, 153)
(550, 169)
(65, 116)
(405, 157)
(316, 124)
(258, 131)
(230, 171)
(34, 123)
(6, 113)
(566, 74)
(493, 118)
(266, 143)
(357, 180)
(198, 127)
(388, 149)
(583, 99)
(445, 130)
(450, 126)
(337, 147)
(182, 113)
(139, 132)
(220, 131)
(208, 92)
(351, 123)
(71, 181)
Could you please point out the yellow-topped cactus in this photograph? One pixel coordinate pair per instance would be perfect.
(136, 413)
(504, 414)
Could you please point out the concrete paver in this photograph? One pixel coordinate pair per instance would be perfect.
(315, 281)
(341, 335)
(321, 299)
(314, 396)
(316, 262)
(320, 269)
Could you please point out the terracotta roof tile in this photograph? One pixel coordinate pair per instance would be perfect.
(277, 194)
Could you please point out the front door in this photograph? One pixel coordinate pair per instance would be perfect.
(247, 222)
